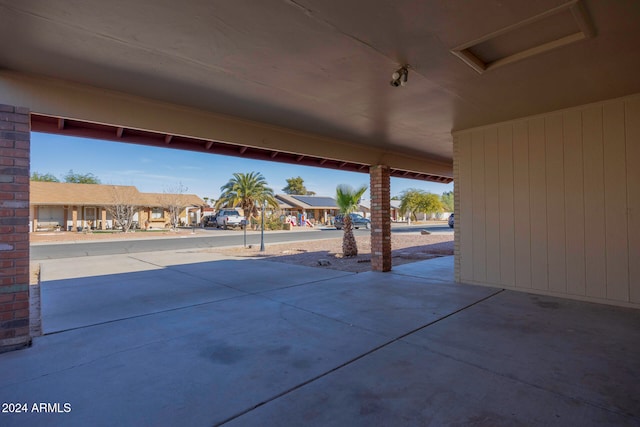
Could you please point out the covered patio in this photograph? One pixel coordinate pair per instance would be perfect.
(533, 108)
(168, 338)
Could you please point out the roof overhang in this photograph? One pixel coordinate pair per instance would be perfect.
(311, 77)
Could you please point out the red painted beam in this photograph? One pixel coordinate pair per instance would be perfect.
(54, 125)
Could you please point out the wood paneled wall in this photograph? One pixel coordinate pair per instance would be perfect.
(551, 204)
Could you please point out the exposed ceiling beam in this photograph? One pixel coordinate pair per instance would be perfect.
(51, 124)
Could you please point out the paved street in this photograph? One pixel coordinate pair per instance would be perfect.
(201, 239)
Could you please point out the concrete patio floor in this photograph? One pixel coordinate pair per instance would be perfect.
(198, 339)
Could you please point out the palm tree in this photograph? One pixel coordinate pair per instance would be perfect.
(248, 191)
(347, 200)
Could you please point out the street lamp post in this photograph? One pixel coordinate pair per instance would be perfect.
(245, 222)
(264, 206)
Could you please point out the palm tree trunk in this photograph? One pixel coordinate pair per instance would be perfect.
(349, 245)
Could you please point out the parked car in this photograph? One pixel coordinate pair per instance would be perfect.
(356, 219)
(209, 221)
(229, 218)
(451, 221)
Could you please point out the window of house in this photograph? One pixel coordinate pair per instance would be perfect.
(157, 213)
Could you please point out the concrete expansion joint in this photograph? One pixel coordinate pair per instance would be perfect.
(353, 360)
(144, 261)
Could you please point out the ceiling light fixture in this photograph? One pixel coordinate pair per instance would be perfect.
(400, 76)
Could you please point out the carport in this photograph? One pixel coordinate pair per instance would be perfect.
(200, 339)
(532, 108)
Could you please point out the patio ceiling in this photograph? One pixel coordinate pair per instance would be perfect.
(323, 67)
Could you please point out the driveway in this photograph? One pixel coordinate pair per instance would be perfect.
(191, 338)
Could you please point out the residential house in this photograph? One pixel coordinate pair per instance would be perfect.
(73, 207)
(364, 208)
(317, 209)
(155, 209)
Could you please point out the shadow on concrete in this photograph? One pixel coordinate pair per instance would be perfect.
(171, 338)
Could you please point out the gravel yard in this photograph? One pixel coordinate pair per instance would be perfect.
(406, 247)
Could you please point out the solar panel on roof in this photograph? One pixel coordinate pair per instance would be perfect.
(316, 201)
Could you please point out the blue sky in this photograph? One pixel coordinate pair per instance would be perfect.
(156, 170)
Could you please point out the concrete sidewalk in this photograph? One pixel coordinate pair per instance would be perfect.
(192, 338)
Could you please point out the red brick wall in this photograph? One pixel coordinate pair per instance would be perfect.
(14, 227)
(380, 218)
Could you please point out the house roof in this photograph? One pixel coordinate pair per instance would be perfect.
(62, 193)
(284, 205)
(307, 202)
(158, 199)
(317, 201)
(395, 204)
(58, 193)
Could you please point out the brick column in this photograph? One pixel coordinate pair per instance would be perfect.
(14, 227)
(380, 218)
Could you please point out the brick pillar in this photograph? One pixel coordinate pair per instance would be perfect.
(380, 218)
(14, 227)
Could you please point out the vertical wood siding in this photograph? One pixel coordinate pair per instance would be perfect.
(463, 223)
(538, 206)
(632, 122)
(479, 217)
(574, 213)
(522, 211)
(506, 197)
(552, 203)
(594, 202)
(492, 202)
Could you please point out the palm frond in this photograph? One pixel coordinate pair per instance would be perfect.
(348, 198)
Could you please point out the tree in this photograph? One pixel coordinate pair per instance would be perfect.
(296, 186)
(173, 201)
(78, 178)
(123, 206)
(45, 177)
(248, 191)
(347, 199)
(447, 201)
(414, 200)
